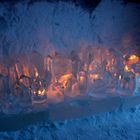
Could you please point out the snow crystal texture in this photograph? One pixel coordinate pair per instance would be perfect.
(43, 26)
(115, 125)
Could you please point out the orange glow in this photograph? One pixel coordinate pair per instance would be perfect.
(64, 78)
(126, 68)
(25, 70)
(36, 72)
(17, 70)
(94, 76)
(132, 59)
(58, 76)
(41, 92)
(81, 79)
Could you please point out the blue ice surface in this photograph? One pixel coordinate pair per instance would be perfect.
(114, 125)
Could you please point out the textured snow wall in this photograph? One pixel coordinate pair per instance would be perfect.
(42, 25)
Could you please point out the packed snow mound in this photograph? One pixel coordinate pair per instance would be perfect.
(42, 26)
(114, 125)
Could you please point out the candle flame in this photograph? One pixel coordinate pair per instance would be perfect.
(41, 92)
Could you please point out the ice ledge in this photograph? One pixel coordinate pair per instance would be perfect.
(90, 106)
(77, 108)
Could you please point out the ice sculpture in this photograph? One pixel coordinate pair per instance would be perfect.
(137, 80)
(36, 79)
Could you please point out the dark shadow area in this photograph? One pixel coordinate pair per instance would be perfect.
(131, 1)
(88, 5)
(19, 121)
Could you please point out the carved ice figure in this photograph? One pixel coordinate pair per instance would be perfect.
(61, 66)
(36, 62)
(48, 70)
(55, 93)
(82, 81)
(76, 63)
(126, 83)
(137, 87)
(137, 79)
(38, 90)
(48, 63)
(86, 56)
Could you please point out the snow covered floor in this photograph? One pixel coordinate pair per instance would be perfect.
(116, 125)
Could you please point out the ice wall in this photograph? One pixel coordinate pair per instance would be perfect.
(42, 25)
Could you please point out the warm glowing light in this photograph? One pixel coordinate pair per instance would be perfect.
(64, 78)
(133, 59)
(126, 68)
(94, 76)
(55, 76)
(41, 92)
(25, 70)
(36, 72)
(81, 79)
(17, 70)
